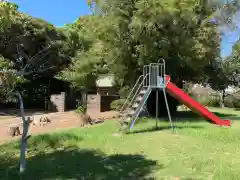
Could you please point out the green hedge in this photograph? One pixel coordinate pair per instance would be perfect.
(117, 104)
(81, 109)
(232, 101)
(206, 99)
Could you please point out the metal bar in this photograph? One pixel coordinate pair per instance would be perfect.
(122, 108)
(149, 72)
(161, 61)
(153, 75)
(144, 69)
(137, 90)
(168, 111)
(145, 72)
(156, 77)
(157, 99)
(138, 111)
(156, 108)
(136, 93)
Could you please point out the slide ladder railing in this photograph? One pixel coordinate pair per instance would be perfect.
(133, 103)
(153, 77)
(131, 95)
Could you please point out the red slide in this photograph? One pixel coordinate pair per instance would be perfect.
(180, 95)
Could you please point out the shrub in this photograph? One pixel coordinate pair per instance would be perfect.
(117, 104)
(203, 99)
(81, 109)
(215, 101)
(228, 101)
(237, 101)
(206, 99)
(124, 91)
(232, 101)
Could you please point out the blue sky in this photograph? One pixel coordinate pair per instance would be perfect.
(60, 12)
(57, 12)
(227, 42)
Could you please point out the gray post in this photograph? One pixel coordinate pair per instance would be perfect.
(149, 71)
(168, 111)
(156, 108)
(157, 75)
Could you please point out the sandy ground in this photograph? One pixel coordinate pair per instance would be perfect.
(60, 120)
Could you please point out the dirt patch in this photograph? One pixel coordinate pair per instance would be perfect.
(59, 121)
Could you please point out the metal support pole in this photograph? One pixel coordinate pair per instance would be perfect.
(168, 111)
(149, 71)
(157, 75)
(156, 108)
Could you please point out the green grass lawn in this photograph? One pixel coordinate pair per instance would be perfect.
(197, 150)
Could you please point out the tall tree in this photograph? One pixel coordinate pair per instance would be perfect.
(91, 59)
(148, 30)
(33, 44)
(225, 72)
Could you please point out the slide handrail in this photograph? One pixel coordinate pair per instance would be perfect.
(138, 89)
(129, 95)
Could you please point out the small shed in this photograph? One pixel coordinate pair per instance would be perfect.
(106, 93)
(105, 85)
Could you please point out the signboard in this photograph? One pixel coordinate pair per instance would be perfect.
(106, 80)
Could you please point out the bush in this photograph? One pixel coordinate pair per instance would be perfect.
(232, 101)
(117, 104)
(237, 101)
(203, 99)
(124, 92)
(81, 109)
(206, 99)
(215, 101)
(228, 101)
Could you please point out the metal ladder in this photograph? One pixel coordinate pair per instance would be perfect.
(153, 78)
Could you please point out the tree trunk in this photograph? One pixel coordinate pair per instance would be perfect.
(24, 136)
(222, 97)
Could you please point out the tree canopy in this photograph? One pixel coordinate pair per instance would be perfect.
(33, 45)
(120, 37)
(130, 34)
(32, 48)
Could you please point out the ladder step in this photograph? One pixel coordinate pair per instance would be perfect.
(125, 111)
(142, 92)
(127, 119)
(131, 113)
(139, 99)
(135, 105)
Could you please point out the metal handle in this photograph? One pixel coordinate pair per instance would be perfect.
(129, 95)
(138, 89)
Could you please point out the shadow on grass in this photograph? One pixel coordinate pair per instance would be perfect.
(192, 116)
(40, 142)
(154, 129)
(81, 164)
(181, 117)
(48, 159)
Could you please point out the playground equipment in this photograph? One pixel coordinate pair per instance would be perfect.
(154, 78)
